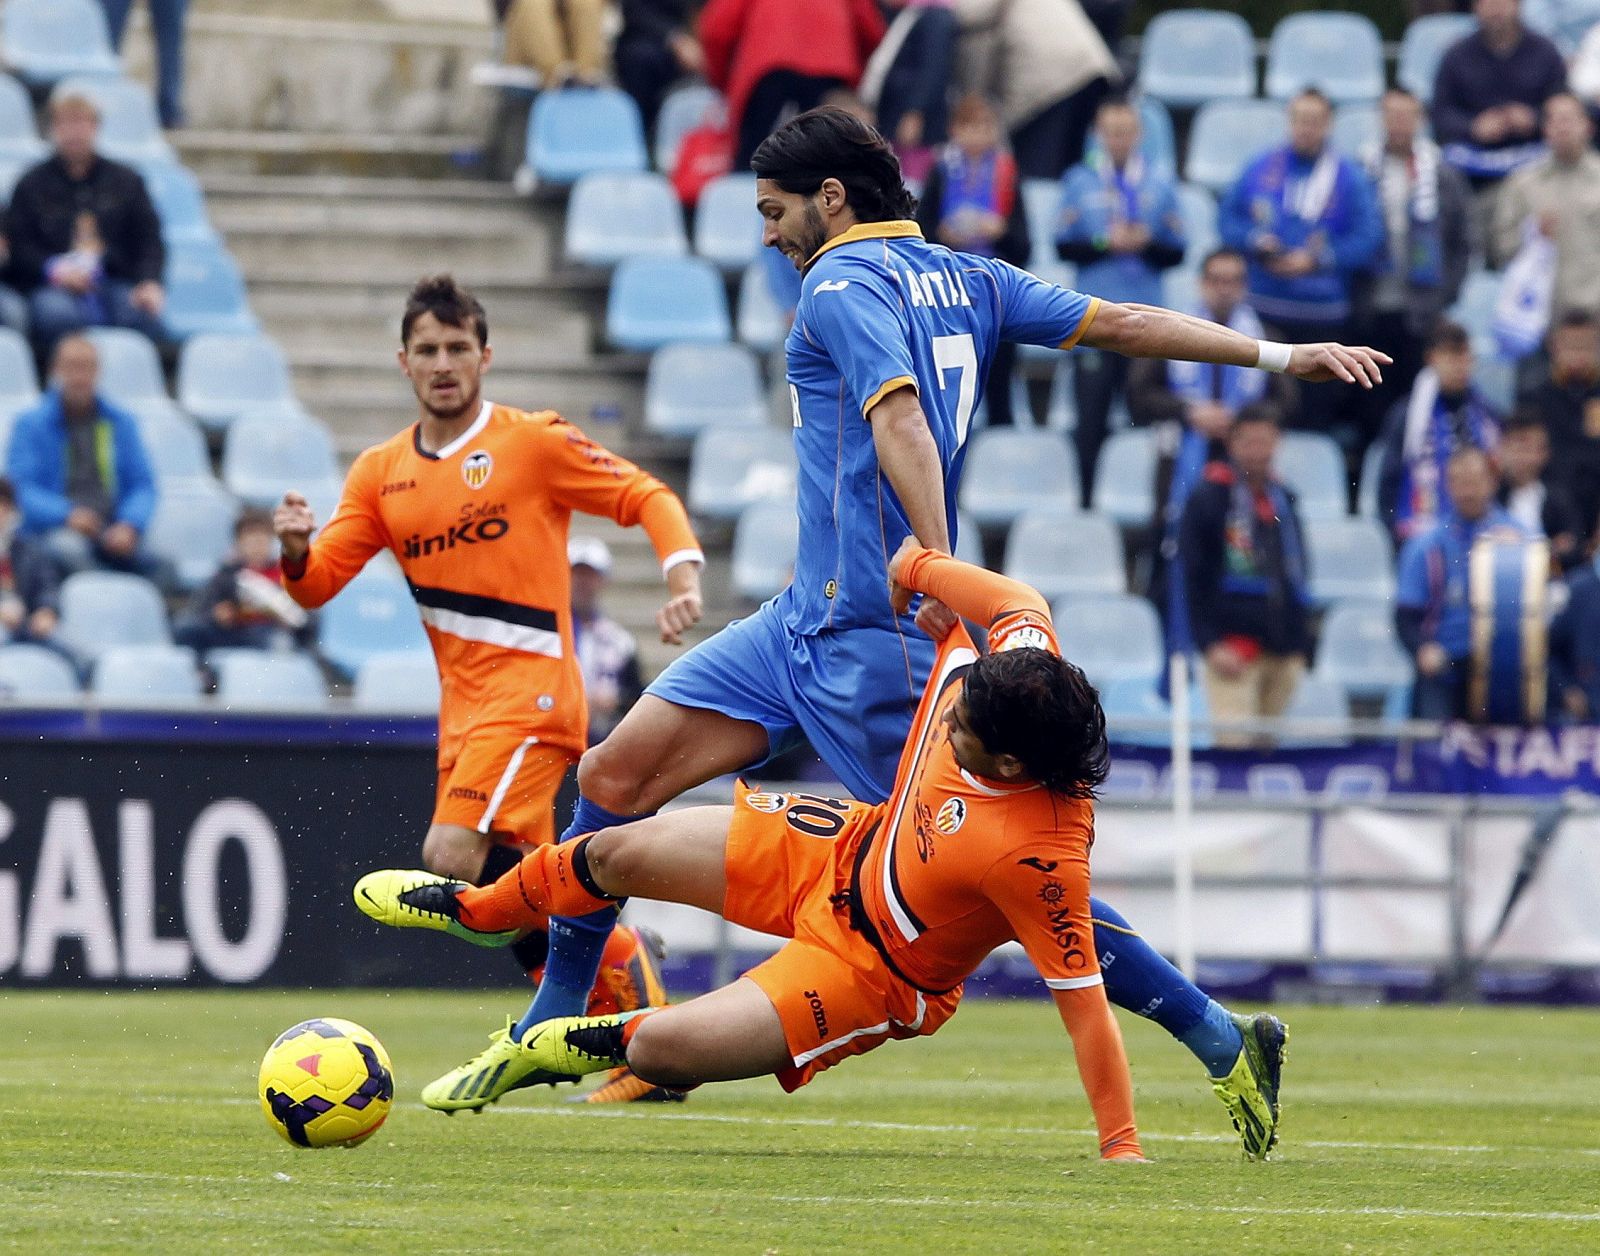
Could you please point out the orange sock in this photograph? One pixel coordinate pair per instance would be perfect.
(544, 883)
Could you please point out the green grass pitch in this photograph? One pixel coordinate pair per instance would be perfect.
(128, 1122)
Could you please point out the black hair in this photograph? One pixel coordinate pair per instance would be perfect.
(1524, 418)
(1314, 93)
(1221, 253)
(832, 143)
(252, 517)
(1577, 319)
(447, 301)
(1042, 710)
(1450, 336)
(1258, 412)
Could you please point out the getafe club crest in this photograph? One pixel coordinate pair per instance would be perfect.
(476, 468)
(951, 816)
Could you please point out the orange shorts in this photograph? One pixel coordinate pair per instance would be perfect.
(788, 868)
(499, 781)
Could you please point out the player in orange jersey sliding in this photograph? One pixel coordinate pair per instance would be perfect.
(889, 907)
(474, 500)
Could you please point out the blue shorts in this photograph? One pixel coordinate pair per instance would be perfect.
(851, 693)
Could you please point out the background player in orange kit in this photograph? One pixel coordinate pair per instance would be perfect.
(474, 500)
(890, 906)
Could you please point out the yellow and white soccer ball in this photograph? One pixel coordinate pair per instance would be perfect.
(326, 1083)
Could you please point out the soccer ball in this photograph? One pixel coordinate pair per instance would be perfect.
(326, 1083)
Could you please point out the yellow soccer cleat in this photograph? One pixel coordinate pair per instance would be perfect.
(505, 1065)
(412, 899)
(1250, 1090)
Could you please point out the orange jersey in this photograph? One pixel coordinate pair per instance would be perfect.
(480, 529)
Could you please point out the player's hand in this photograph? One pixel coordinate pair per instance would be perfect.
(899, 595)
(935, 618)
(120, 539)
(1320, 363)
(683, 609)
(294, 524)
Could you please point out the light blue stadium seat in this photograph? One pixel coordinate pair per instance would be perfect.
(100, 609)
(221, 377)
(1340, 53)
(1474, 307)
(1136, 699)
(1062, 550)
(19, 384)
(727, 228)
(1359, 651)
(146, 675)
(267, 680)
(656, 301)
(1125, 478)
(130, 131)
(1350, 559)
(1198, 206)
(373, 614)
(765, 545)
(681, 112)
(11, 169)
(130, 367)
(615, 215)
(179, 202)
(45, 41)
(267, 453)
(1311, 464)
(31, 673)
(1041, 205)
(969, 540)
(205, 292)
(19, 133)
(1113, 637)
(1061, 403)
(1423, 45)
(1496, 379)
(1356, 127)
(1317, 698)
(762, 324)
(1226, 135)
(732, 467)
(694, 386)
(401, 681)
(192, 528)
(1190, 56)
(1012, 470)
(583, 131)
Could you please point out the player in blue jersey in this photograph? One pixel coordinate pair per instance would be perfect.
(886, 361)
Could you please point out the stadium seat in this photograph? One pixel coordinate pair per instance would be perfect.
(1367, 491)
(1180, 288)
(1125, 478)
(221, 377)
(1474, 308)
(30, 673)
(1041, 205)
(583, 131)
(192, 528)
(266, 453)
(681, 112)
(689, 387)
(100, 609)
(655, 301)
(616, 215)
(179, 202)
(146, 675)
(173, 441)
(732, 467)
(1340, 53)
(1012, 470)
(130, 367)
(1350, 560)
(762, 324)
(268, 680)
(727, 228)
(1114, 637)
(1311, 464)
(1198, 206)
(765, 545)
(130, 132)
(1060, 550)
(205, 292)
(1496, 379)
(969, 540)
(19, 134)
(1423, 45)
(1190, 56)
(45, 41)
(11, 169)
(373, 614)
(1124, 700)
(1357, 126)
(19, 385)
(402, 681)
(1359, 651)
(1227, 135)
(1317, 698)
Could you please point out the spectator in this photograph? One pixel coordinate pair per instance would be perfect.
(907, 82)
(13, 305)
(244, 605)
(1442, 414)
(71, 267)
(1569, 403)
(1542, 506)
(30, 583)
(1432, 606)
(1243, 555)
(769, 56)
(80, 471)
(562, 40)
(607, 652)
(1308, 221)
(1487, 96)
(972, 201)
(1558, 195)
(654, 49)
(1120, 224)
(1574, 644)
(166, 23)
(1428, 229)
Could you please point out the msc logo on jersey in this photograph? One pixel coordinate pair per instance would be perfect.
(768, 804)
(476, 468)
(951, 816)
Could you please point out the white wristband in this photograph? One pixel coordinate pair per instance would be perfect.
(1273, 356)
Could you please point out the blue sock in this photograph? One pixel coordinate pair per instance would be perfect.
(575, 941)
(1140, 979)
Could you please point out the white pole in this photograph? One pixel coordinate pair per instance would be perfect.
(1182, 813)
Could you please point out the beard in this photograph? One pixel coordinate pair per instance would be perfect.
(814, 234)
(469, 405)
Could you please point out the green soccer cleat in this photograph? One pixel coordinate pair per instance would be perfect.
(575, 1046)
(1250, 1090)
(505, 1065)
(412, 899)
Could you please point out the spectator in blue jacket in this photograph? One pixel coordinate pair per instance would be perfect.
(1121, 226)
(80, 470)
(1432, 611)
(1308, 220)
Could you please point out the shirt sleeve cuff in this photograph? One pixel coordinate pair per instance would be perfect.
(682, 556)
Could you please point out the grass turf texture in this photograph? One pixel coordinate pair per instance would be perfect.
(129, 1122)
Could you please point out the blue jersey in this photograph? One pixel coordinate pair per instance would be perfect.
(881, 308)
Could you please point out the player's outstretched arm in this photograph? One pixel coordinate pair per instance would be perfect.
(972, 592)
(313, 572)
(1103, 1068)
